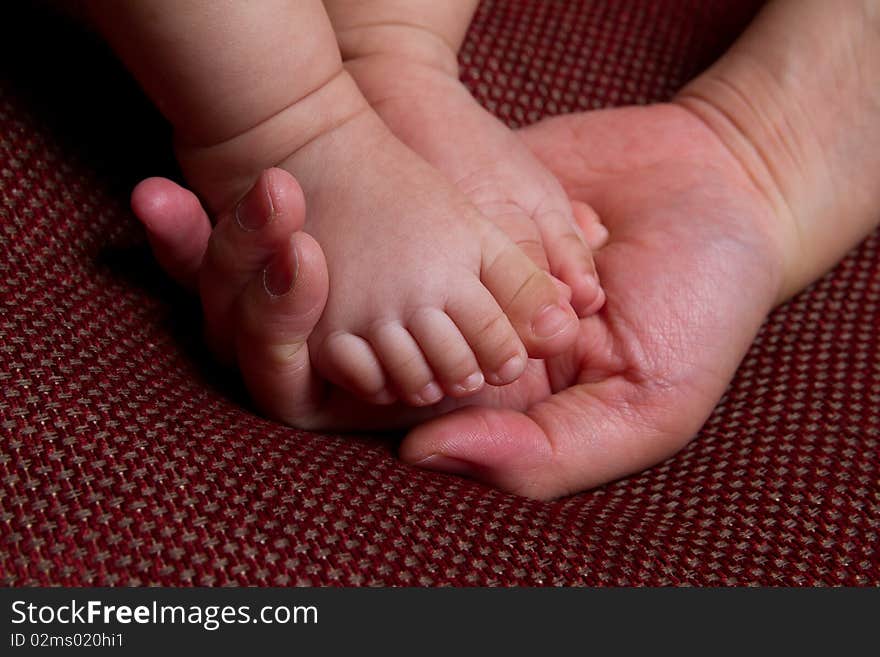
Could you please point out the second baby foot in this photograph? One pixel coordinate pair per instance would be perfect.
(429, 109)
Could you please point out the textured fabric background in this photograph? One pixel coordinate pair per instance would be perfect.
(126, 458)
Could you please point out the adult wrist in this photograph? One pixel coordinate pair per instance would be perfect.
(797, 102)
(738, 106)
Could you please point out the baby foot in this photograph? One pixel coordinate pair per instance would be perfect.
(426, 295)
(433, 113)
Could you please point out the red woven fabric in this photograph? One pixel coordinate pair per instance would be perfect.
(125, 458)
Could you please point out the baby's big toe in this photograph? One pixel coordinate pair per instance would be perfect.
(571, 260)
(537, 308)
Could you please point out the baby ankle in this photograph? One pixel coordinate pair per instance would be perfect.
(408, 43)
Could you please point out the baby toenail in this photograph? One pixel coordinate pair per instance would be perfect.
(472, 382)
(550, 321)
(597, 294)
(253, 211)
(383, 398)
(511, 369)
(431, 393)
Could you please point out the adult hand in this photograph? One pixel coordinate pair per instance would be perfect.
(719, 206)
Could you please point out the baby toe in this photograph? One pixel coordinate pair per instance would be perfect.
(488, 331)
(350, 362)
(447, 351)
(405, 365)
(571, 260)
(594, 232)
(536, 307)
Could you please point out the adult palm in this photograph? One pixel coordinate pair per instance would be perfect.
(692, 267)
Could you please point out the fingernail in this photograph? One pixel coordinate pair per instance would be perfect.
(449, 465)
(253, 211)
(280, 274)
(511, 369)
(550, 321)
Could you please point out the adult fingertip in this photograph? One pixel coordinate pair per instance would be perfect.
(177, 227)
(312, 280)
(285, 193)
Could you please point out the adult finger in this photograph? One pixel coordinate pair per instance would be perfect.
(579, 438)
(244, 241)
(275, 316)
(177, 227)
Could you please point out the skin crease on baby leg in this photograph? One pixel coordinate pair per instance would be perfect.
(427, 296)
